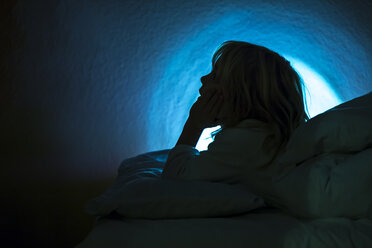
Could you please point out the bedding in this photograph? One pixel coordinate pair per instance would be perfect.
(332, 154)
(344, 128)
(324, 200)
(260, 227)
(142, 193)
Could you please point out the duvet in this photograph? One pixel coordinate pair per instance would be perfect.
(332, 158)
(324, 200)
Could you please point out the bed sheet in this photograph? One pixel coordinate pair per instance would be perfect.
(339, 141)
(265, 227)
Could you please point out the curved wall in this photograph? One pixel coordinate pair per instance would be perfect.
(87, 84)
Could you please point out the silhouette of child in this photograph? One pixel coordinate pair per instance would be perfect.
(257, 98)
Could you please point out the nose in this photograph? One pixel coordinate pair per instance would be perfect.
(203, 79)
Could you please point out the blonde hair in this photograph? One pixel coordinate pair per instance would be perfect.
(258, 83)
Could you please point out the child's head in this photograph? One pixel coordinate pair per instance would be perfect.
(258, 83)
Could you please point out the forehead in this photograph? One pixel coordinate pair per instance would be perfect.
(218, 63)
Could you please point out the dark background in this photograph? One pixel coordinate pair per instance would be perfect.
(86, 84)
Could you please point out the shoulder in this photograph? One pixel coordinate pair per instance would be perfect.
(247, 127)
(248, 133)
(253, 124)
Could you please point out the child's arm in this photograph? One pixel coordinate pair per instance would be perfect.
(190, 134)
(203, 114)
(187, 163)
(233, 151)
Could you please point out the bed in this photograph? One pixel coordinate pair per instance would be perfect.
(325, 200)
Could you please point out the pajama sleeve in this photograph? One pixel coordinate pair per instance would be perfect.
(230, 152)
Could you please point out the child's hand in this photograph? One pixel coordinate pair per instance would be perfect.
(205, 110)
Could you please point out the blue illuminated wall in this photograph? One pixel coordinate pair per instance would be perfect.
(86, 84)
(325, 52)
(94, 82)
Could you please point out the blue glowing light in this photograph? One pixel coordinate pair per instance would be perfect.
(319, 94)
(190, 59)
(205, 138)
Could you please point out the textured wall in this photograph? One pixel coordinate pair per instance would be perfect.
(94, 81)
(86, 84)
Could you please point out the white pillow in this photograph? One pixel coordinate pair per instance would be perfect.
(140, 192)
(344, 128)
(329, 185)
(160, 198)
(333, 154)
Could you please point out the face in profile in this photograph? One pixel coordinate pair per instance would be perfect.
(211, 83)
